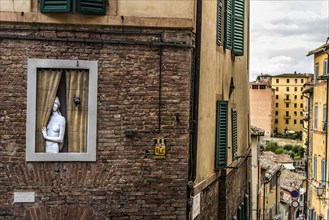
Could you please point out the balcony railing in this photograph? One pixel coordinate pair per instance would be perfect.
(287, 100)
(286, 116)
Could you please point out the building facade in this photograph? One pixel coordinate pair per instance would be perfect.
(289, 101)
(154, 106)
(223, 140)
(262, 102)
(318, 207)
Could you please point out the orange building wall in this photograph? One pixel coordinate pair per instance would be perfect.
(262, 109)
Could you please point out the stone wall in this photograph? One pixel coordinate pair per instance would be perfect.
(125, 182)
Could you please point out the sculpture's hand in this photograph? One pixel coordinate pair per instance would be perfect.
(44, 132)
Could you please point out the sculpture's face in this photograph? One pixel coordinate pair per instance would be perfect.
(55, 107)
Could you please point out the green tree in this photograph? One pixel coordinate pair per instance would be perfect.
(296, 157)
(295, 149)
(279, 150)
(271, 146)
(288, 147)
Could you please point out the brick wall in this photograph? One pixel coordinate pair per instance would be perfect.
(209, 202)
(233, 188)
(125, 182)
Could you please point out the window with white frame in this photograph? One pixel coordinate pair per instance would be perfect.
(61, 110)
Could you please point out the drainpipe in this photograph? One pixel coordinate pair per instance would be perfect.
(195, 105)
(196, 78)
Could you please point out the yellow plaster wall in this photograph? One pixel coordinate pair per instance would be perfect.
(217, 68)
(150, 13)
(319, 135)
(156, 8)
(282, 85)
(318, 59)
(15, 5)
(317, 204)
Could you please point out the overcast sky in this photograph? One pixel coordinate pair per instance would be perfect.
(283, 32)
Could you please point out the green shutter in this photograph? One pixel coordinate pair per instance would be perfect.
(238, 27)
(228, 24)
(91, 6)
(55, 5)
(240, 213)
(221, 134)
(247, 206)
(234, 134)
(219, 21)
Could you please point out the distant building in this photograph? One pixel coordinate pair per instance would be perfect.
(269, 189)
(262, 104)
(289, 101)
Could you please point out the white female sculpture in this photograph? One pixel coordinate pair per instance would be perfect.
(54, 133)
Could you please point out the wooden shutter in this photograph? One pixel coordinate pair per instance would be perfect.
(238, 27)
(221, 134)
(91, 6)
(234, 134)
(219, 21)
(228, 24)
(55, 5)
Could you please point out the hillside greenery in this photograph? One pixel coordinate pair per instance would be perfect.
(296, 152)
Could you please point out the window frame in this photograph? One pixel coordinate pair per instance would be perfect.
(33, 66)
(315, 120)
(316, 72)
(325, 66)
(323, 171)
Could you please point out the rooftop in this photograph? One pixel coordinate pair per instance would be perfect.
(256, 131)
(290, 180)
(320, 49)
(293, 75)
(277, 158)
(270, 167)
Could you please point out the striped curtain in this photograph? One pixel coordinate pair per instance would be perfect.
(77, 115)
(47, 85)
